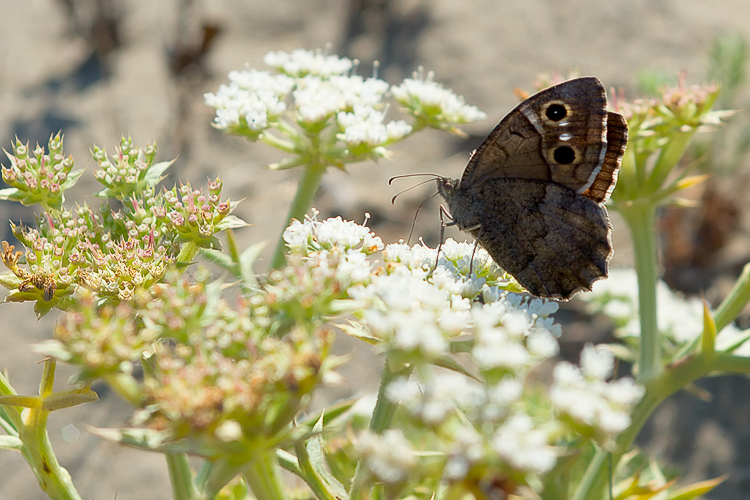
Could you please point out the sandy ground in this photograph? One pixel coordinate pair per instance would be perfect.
(482, 49)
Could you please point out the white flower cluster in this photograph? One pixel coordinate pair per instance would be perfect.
(423, 97)
(523, 445)
(585, 395)
(326, 93)
(485, 426)
(333, 233)
(300, 63)
(253, 99)
(364, 126)
(389, 455)
(680, 318)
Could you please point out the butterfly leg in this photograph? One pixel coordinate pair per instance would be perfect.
(473, 252)
(443, 213)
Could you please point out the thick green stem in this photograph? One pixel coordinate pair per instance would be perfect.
(382, 416)
(37, 449)
(181, 477)
(262, 475)
(306, 190)
(641, 219)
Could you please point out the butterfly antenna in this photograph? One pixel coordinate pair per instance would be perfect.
(393, 200)
(390, 181)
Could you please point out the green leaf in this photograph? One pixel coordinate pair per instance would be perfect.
(708, 338)
(453, 365)
(312, 461)
(220, 259)
(356, 330)
(695, 490)
(72, 179)
(247, 258)
(153, 175)
(10, 194)
(11, 443)
(42, 307)
(53, 348)
(230, 222)
(68, 399)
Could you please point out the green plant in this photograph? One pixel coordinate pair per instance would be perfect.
(459, 410)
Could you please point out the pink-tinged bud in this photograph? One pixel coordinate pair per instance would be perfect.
(177, 218)
(9, 175)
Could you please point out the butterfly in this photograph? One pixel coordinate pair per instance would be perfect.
(533, 193)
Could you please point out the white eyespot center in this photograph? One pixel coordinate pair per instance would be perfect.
(566, 137)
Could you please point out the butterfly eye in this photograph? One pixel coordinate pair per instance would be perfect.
(564, 155)
(556, 112)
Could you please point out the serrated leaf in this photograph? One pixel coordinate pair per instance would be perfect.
(230, 222)
(153, 175)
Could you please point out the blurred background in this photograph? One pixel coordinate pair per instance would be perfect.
(98, 69)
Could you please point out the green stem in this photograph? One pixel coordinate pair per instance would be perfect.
(306, 190)
(181, 477)
(641, 219)
(53, 479)
(382, 416)
(262, 475)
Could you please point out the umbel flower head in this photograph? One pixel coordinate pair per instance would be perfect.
(314, 106)
(110, 251)
(484, 420)
(36, 176)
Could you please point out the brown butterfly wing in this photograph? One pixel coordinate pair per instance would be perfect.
(557, 135)
(552, 240)
(617, 141)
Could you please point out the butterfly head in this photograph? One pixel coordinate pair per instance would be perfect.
(447, 187)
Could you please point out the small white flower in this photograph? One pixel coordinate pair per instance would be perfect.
(297, 236)
(300, 63)
(388, 455)
(257, 97)
(467, 448)
(522, 446)
(424, 96)
(584, 395)
(597, 363)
